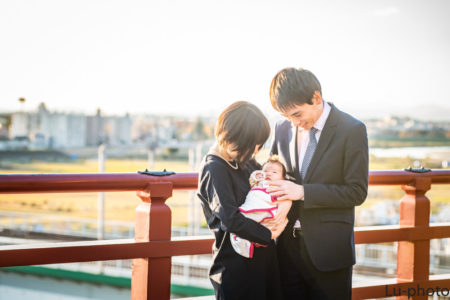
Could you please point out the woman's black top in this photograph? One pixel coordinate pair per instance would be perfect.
(221, 190)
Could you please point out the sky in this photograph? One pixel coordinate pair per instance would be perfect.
(196, 57)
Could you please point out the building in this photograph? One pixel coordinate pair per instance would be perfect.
(55, 130)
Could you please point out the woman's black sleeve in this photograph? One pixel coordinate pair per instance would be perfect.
(225, 207)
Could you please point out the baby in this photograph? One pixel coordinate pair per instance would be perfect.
(259, 205)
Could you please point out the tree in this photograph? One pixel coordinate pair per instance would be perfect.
(22, 103)
(199, 133)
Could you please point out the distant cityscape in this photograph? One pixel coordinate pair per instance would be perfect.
(46, 129)
(394, 127)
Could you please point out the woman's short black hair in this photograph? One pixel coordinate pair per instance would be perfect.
(243, 126)
(291, 87)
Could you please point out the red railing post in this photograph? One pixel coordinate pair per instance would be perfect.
(151, 276)
(413, 258)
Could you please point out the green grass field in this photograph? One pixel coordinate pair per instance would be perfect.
(122, 205)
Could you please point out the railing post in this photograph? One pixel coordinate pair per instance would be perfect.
(151, 276)
(413, 258)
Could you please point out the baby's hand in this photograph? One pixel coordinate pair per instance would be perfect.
(260, 175)
(256, 177)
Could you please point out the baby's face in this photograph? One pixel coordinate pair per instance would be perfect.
(273, 171)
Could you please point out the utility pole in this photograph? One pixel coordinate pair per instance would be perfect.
(191, 207)
(101, 195)
(101, 202)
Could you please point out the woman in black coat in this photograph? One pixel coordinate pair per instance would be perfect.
(241, 130)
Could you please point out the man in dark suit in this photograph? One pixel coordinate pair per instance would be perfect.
(325, 150)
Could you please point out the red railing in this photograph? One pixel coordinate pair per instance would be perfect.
(152, 248)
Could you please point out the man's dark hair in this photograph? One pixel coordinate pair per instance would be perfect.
(292, 87)
(244, 126)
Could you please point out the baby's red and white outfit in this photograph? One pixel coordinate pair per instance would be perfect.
(258, 206)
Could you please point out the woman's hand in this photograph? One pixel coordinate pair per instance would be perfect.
(285, 190)
(282, 211)
(278, 229)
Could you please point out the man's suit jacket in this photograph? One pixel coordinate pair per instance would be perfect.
(336, 182)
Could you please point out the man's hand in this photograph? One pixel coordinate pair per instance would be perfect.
(285, 190)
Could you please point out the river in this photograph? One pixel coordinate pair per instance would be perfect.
(441, 152)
